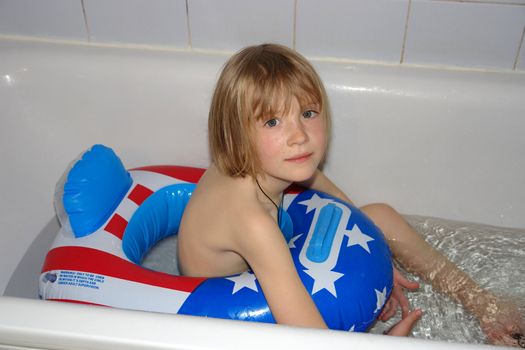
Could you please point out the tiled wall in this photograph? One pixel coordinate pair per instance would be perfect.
(486, 34)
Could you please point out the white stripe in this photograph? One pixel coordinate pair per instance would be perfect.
(108, 242)
(153, 181)
(126, 209)
(288, 199)
(112, 291)
(100, 240)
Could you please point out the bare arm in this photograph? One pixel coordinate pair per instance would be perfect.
(320, 182)
(264, 248)
(410, 249)
(497, 318)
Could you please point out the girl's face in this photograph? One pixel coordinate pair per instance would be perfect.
(290, 146)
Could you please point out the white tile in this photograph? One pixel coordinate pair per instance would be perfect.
(231, 24)
(357, 29)
(464, 34)
(150, 22)
(51, 18)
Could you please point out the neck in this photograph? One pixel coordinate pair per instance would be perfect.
(273, 188)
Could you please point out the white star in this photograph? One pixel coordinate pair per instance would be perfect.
(352, 328)
(315, 202)
(381, 296)
(244, 280)
(355, 236)
(324, 279)
(291, 244)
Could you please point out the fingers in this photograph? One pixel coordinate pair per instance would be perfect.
(520, 338)
(504, 325)
(506, 339)
(398, 297)
(402, 300)
(404, 327)
(389, 310)
(403, 281)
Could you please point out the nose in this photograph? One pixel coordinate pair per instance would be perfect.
(297, 133)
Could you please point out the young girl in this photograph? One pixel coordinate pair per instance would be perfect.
(268, 128)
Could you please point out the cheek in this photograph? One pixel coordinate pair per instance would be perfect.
(268, 146)
(319, 134)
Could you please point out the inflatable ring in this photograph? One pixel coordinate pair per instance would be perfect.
(111, 217)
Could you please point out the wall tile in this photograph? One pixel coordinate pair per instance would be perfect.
(231, 24)
(51, 18)
(357, 29)
(152, 22)
(464, 34)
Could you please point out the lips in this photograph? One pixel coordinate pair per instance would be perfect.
(299, 158)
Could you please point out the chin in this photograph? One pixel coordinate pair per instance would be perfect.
(303, 174)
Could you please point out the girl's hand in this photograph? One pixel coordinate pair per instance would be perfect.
(398, 298)
(404, 327)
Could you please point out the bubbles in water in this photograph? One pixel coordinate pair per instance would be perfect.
(493, 256)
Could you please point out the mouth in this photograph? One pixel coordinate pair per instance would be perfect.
(299, 158)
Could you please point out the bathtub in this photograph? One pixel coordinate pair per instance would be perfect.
(430, 141)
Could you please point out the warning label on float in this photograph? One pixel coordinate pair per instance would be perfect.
(80, 279)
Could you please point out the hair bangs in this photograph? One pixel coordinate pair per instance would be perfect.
(274, 96)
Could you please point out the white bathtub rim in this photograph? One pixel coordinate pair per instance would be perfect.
(73, 326)
(227, 53)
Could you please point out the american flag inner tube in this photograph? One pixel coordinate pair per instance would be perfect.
(111, 217)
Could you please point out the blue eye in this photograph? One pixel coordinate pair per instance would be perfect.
(271, 123)
(309, 113)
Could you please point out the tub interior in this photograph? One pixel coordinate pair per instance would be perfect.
(432, 142)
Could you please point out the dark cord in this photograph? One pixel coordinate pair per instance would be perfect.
(279, 207)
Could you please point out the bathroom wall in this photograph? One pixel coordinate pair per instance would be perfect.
(477, 34)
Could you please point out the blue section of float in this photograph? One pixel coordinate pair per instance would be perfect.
(157, 218)
(324, 233)
(363, 269)
(215, 298)
(364, 274)
(95, 186)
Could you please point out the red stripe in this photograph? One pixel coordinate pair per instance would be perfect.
(193, 175)
(117, 226)
(76, 302)
(99, 262)
(294, 189)
(139, 194)
(183, 173)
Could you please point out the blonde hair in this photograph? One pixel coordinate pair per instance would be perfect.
(254, 84)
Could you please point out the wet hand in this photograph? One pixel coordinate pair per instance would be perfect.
(404, 327)
(397, 297)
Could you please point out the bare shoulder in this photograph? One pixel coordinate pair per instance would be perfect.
(256, 227)
(212, 223)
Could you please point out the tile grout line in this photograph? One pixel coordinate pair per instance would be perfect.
(517, 59)
(409, 9)
(88, 32)
(294, 29)
(188, 26)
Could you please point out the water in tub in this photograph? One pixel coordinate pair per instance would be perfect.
(493, 256)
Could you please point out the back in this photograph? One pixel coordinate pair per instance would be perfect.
(210, 224)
